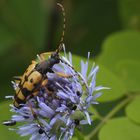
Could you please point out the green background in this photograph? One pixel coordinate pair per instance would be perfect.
(109, 29)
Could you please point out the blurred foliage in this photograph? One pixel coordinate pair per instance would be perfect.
(109, 29)
(120, 129)
(129, 13)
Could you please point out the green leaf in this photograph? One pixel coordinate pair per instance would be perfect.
(128, 70)
(130, 13)
(5, 115)
(107, 79)
(133, 110)
(120, 129)
(120, 46)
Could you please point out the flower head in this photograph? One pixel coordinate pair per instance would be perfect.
(51, 114)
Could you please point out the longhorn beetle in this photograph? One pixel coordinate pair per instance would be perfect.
(35, 75)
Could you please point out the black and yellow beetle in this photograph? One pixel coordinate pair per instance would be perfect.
(35, 77)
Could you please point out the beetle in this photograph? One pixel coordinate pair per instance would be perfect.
(35, 75)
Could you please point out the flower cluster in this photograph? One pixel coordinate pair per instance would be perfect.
(61, 105)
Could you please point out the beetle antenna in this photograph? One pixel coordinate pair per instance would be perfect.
(59, 48)
(64, 27)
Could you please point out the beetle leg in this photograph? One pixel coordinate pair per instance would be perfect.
(32, 95)
(40, 125)
(42, 56)
(17, 78)
(61, 74)
(35, 93)
(44, 82)
(34, 62)
(33, 113)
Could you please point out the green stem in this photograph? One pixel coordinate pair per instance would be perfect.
(110, 115)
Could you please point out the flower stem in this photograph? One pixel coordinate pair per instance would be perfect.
(109, 115)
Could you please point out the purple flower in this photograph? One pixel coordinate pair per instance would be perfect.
(52, 114)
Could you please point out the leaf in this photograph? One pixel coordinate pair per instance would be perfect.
(120, 46)
(128, 70)
(5, 115)
(130, 13)
(133, 111)
(120, 129)
(108, 79)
